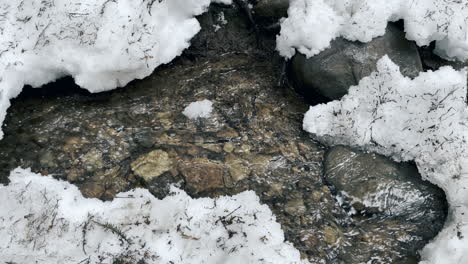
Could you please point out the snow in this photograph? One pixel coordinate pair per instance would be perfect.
(312, 24)
(43, 220)
(225, 2)
(199, 109)
(425, 120)
(102, 44)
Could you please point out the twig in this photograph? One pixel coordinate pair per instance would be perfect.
(114, 230)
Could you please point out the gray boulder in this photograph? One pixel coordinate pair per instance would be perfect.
(330, 73)
(272, 9)
(393, 195)
(375, 184)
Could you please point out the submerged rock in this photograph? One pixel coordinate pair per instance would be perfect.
(433, 62)
(381, 194)
(202, 174)
(330, 73)
(152, 165)
(374, 184)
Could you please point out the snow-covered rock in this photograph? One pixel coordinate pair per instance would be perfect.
(102, 44)
(312, 24)
(199, 109)
(331, 72)
(43, 220)
(425, 120)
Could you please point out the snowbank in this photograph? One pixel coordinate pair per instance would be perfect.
(43, 220)
(425, 120)
(312, 24)
(199, 109)
(103, 44)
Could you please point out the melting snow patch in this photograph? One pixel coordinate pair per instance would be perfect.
(102, 44)
(425, 120)
(312, 24)
(43, 220)
(199, 109)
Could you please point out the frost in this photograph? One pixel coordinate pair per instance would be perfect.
(312, 24)
(102, 44)
(199, 109)
(43, 220)
(425, 120)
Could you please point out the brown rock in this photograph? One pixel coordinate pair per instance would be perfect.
(152, 165)
(295, 207)
(202, 174)
(165, 119)
(72, 143)
(331, 235)
(92, 189)
(290, 151)
(92, 160)
(105, 184)
(276, 189)
(237, 168)
(213, 147)
(244, 149)
(258, 163)
(228, 133)
(74, 173)
(228, 147)
(316, 196)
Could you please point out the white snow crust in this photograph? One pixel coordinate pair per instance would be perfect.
(425, 120)
(312, 24)
(199, 109)
(43, 220)
(102, 44)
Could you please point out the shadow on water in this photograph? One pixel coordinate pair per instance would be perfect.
(62, 87)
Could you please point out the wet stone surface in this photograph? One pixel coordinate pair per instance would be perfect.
(330, 73)
(271, 9)
(374, 189)
(138, 137)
